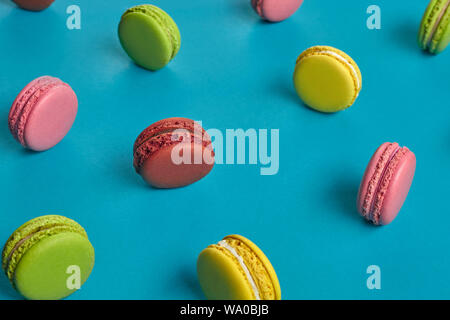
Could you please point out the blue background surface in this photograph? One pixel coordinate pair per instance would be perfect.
(234, 71)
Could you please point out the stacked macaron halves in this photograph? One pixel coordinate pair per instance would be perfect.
(386, 183)
(39, 257)
(43, 113)
(434, 32)
(327, 79)
(236, 269)
(173, 152)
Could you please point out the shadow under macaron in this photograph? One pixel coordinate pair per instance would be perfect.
(343, 191)
(405, 35)
(188, 279)
(6, 288)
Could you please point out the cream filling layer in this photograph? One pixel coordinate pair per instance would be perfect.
(436, 24)
(224, 244)
(341, 58)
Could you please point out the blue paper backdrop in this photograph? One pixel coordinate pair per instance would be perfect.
(234, 71)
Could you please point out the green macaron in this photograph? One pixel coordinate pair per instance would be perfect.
(149, 36)
(48, 258)
(434, 32)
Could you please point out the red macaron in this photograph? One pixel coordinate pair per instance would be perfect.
(386, 183)
(173, 153)
(34, 5)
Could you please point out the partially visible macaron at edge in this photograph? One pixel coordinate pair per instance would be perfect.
(276, 10)
(327, 79)
(42, 254)
(386, 183)
(434, 31)
(33, 5)
(236, 269)
(43, 113)
(172, 153)
(149, 36)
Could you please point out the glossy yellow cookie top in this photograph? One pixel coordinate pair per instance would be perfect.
(327, 79)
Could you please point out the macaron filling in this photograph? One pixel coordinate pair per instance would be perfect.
(384, 183)
(375, 180)
(380, 180)
(167, 139)
(224, 244)
(28, 108)
(21, 101)
(436, 25)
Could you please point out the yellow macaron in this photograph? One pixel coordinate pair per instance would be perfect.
(236, 269)
(327, 79)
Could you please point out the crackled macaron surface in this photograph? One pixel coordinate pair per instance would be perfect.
(33, 5)
(40, 256)
(149, 36)
(43, 113)
(172, 153)
(327, 79)
(386, 183)
(236, 269)
(276, 10)
(434, 31)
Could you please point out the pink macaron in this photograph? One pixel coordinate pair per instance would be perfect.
(173, 152)
(43, 113)
(386, 183)
(276, 10)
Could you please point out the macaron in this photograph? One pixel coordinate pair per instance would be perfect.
(276, 10)
(386, 183)
(327, 79)
(434, 32)
(236, 269)
(173, 153)
(149, 36)
(33, 5)
(43, 113)
(46, 257)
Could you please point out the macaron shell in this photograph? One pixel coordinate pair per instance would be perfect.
(368, 174)
(42, 271)
(34, 5)
(220, 276)
(264, 260)
(161, 172)
(433, 37)
(22, 100)
(398, 188)
(32, 232)
(169, 124)
(316, 72)
(441, 39)
(279, 10)
(146, 41)
(51, 118)
(426, 25)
